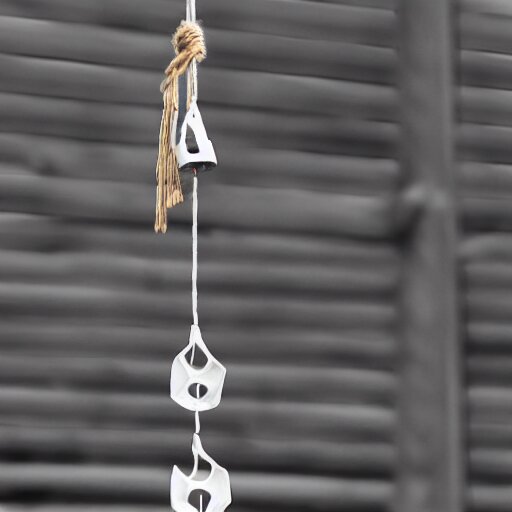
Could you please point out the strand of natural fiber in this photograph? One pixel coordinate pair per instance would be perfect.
(189, 45)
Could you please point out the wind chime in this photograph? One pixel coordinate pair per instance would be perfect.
(185, 151)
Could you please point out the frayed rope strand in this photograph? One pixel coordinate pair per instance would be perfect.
(189, 45)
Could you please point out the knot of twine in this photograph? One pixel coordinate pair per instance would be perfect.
(189, 45)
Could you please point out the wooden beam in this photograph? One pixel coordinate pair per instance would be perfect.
(305, 19)
(234, 127)
(99, 83)
(263, 381)
(104, 409)
(227, 49)
(368, 348)
(485, 33)
(135, 484)
(324, 281)
(159, 447)
(431, 467)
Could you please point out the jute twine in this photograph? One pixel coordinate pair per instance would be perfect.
(188, 43)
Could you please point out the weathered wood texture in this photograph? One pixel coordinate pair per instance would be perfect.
(486, 255)
(306, 248)
(299, 269)
(431, 466)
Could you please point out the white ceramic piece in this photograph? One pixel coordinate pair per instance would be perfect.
(205, 154)
(185, 378)
(216, 483)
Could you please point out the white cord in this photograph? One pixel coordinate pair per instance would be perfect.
(198, 423)
(191, 16)
(194, 253)
(194, 281)
(191, 10)
(192, 70)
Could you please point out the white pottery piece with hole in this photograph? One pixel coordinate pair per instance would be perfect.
(187, 379)
(216, 483)
(205, 156)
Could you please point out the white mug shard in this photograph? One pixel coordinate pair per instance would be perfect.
(197, 388)
(216, 484)
(199, 155)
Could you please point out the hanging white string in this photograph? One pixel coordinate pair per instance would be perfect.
(191, 10)
(194, 253)
(194, 280)
(192, 77)
(192, 70)
(198, 422)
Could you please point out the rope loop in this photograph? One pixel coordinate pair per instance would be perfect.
(189, 44)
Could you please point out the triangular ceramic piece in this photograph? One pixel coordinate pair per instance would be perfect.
(216, 483)
(197, 388)
(193, 148)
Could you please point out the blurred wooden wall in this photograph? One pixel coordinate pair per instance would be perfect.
(305, 234)
(485, 177)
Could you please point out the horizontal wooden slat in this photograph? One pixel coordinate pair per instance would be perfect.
(365, 348)
(262, 167)
(38, 407)
(144, 485)
(486, 434)
(478, 178)
(311, 171)
(498, 7)
(492, 465)
(14, 507)
(485, 143)
(98, 507)
(492, 404)
(164, 448)
(489, 498)
(487, 247)
(485, 33)
(247, 89)
(264, 381)
(138, 273)
(487, 213)
(241, 127)
(118, 123)
(312, 212)
(111, 305)
(490, 370)
(489, 305)
(486, 106)
(378, 4)
(486, 69)
(489, 275)
(307, 20)
(49, 234)
(490, 336)
(226, 49)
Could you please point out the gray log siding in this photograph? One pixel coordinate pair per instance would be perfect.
(316, 248)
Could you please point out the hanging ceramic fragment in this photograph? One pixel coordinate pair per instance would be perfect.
(197, 378)
(193, 148)
(214, 486)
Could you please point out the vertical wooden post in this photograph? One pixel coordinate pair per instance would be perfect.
(431, 462)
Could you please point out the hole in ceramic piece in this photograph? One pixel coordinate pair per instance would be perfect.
(204, 468)
(196, 357)
(197, 390)
(191, 141)
(199, 499)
